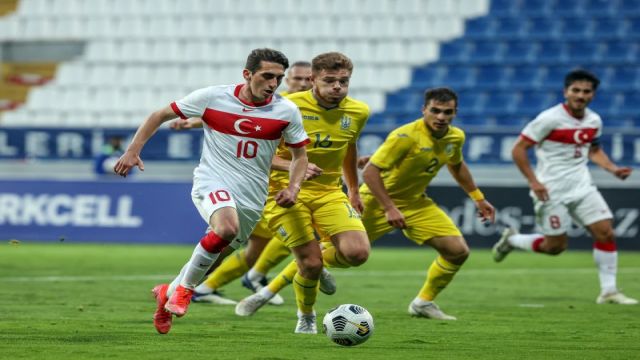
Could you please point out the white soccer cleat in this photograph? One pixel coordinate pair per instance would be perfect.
(502, 248)
(255, 286)
(215, 297)
(249, 305)
(616, 298)
(327, 282)
(306, 324)
(428, 309)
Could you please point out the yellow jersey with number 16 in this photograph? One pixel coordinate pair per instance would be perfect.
(330, 131)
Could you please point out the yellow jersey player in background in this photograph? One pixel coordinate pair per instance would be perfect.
(333, 122)
(394, 197)
(298, 79)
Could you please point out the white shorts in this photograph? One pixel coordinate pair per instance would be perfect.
(554, 216)
(209, 197)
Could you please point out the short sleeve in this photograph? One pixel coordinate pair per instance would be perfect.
(294, 134)
(538, 129)
(361, 123)
(394, 149)
(192, 105)
(457, 157)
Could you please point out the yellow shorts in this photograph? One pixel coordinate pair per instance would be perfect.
(262, 229)
(425, 220)
(330, 212)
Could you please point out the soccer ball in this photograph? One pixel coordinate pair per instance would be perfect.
(348, 325)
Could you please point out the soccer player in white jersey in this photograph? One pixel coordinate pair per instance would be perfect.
(565, 138)
(244, 125)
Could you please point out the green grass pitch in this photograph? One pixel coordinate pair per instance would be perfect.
(80, 301)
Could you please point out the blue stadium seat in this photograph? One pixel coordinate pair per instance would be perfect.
(480, 28)
(577, 28)
(501, 103)
(610, 28)
(553, 77)
(537, 7)
(562, 8)
(625, 78)
(455, 51)
(470, 103)
(520, 52)
(493, 77)
(531, 103)
(505, 7)
(629, 104)
(552, 52)
(403, 101)
(460, 77)
(542, 28)
(621, 52)
(600, 7)
(513, 120)
(484, 52)
(629, 7)
(428, 76)
(511, 28)
(605, 103)
(584, 52)
(526, 77)
(633, 31)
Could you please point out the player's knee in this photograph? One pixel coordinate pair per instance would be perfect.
(310, 267)
(357, 258)
(556, 249)
(605, 236)
(228, 230)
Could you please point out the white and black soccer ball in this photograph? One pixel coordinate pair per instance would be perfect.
(348, 325)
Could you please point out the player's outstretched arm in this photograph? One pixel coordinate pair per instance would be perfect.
(299, 162)
(600, 158)
(279, 163)
(461, 173)
(520, 157)
(350, 171)
(185, 124)
(373, 179)
(131, 157)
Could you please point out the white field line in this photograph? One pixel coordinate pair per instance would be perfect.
(338, 273)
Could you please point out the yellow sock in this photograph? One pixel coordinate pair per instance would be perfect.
(332, 258)
(440, 274)
(284, 278)
(272, 255)
(306, 292)
(232, 268)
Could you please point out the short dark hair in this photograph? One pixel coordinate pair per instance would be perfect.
(301, 64)
(441, 95)
(331, 61)
(581, 75)
(270, 55)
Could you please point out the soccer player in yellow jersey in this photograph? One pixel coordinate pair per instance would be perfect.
(394, 196)
(298, 79)
(333, 122)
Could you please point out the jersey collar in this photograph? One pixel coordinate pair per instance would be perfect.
(236, 93)
(566, 108)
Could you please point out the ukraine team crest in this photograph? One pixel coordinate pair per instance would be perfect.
(345, 122)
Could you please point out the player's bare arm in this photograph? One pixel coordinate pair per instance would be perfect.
(463, 177)
(519, 155)
(350, 171)
(287, 197)
(131, 157)
(372, 177)
(600, 158)
(313, 170)
(190, 123)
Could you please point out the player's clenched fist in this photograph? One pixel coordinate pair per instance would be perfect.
(287, 197)
(126, 162)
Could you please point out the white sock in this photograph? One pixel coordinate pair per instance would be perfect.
(418, 301)
(607, 262)
(197, 267)
(266, 293)
(174, 284)
(254, 275)
(204, 289)
(523, 241)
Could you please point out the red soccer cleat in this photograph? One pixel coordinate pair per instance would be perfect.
(179, 301)
(161, 318)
